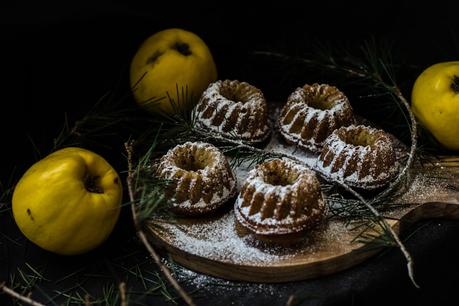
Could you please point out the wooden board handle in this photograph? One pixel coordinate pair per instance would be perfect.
(429, 210)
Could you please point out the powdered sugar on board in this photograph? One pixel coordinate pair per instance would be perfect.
(219, 239)
(276, 145)
(218, 286)
(436, 185)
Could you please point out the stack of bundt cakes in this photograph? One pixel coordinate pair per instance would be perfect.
(319, 118)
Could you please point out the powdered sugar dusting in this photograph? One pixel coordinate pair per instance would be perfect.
(218, 239)
(277, 146)
(436, 185)
(216, 198)
(218, 286)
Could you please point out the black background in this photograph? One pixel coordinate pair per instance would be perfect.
(58, 58)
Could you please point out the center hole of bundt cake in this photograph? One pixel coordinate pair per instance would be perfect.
(280, 179)
(321, 103)
(234, 93)
(191, 163)
(362, 138)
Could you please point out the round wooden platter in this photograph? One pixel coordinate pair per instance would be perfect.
(216, 245)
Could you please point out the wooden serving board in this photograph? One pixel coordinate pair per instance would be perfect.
(217, 247)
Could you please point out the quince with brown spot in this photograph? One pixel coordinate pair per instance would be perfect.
(68, 202)
(171, 66)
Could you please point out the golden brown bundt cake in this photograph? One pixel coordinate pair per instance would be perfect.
(203, 179)
(279, 197)
(235, 110)
(360, 156)
(312, 113)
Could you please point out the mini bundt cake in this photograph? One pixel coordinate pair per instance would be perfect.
(313, 112)
(360, 156)
(235, 110)
(203, 179)
(279, 197)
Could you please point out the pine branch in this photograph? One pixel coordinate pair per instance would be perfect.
(141, 234)
(330, 66)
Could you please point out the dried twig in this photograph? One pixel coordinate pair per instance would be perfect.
(142, 236)
(87, 300)
(123, 299)
(14, 294)
(290, 300)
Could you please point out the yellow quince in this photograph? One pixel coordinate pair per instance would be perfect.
(170, 65)
(435, 102)
(68, 202)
